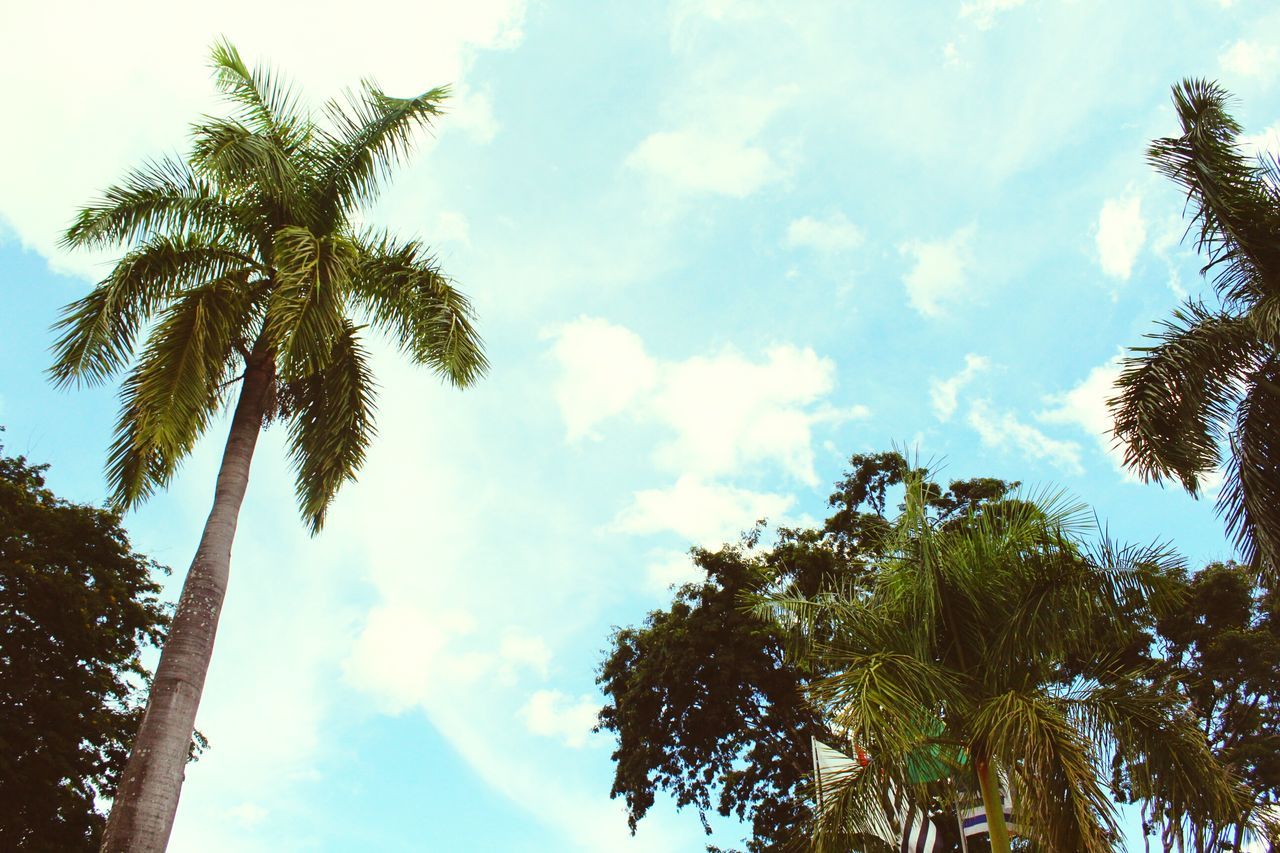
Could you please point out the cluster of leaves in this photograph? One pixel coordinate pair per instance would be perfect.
(77, 606)
(1220, 650)
(702, 698)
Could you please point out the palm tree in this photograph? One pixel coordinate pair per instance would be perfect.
(246, 265)
(989, 645)
(1211, 377)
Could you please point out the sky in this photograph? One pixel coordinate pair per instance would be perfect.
(715, 248)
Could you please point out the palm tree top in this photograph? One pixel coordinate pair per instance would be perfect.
(1209, 380)
(247, 254)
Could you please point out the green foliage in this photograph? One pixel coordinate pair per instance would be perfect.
(246, 256)
(1221, 647)
(991, 632)
(1210, 378)
(77, 606)
(702, 698)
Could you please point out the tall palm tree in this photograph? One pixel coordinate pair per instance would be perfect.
(246, 266)
(1211, 378)
(988, 646)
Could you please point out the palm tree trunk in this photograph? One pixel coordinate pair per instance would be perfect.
(997, 829)
(147, 800)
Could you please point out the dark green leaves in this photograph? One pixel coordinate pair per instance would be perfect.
(177, 385)
(405, 295)
(77, 605)
(331, 424)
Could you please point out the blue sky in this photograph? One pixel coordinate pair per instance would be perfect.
(716, 248)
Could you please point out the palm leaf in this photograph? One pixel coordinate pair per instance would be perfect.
(177, 385)
(163, 197)
(1176, 398)
(96, 333)
(226, 151)
(1232, 206)
(304, 317)
(404, 294)
(268, 105)
(331, 425)
(373, 132)
(1250, 496)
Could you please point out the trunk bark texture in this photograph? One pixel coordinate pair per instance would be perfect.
(144, 806)
(997, 829)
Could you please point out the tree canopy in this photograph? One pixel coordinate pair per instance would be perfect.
(77, 607)
(702, 699)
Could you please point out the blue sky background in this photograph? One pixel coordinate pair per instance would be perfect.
(716, 248)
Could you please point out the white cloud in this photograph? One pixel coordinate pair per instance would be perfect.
(941, 270)
(697, 161)
(550, 713)
(722, 411)
(1250, 58)
(671, 568)
(1002, 429)
(707, 514)
(1266, 142)
(1085, 406)
(984, 12)
(247, 814)
(450, 227)
(521, 650)
(136, 112)
(406, 652)
(604, 369)
(944, 392)
(833, 234)
(1120, 235)
(727, 411)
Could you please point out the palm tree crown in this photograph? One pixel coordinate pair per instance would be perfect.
(987, 646)
(248, 254)
(1211, 376)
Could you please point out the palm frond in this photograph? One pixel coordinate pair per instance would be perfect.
(177, 385)
(1250, 495)
(163, 197)
(226, 151)
(401, 289)
(96, 333)
(1165, 753)
(1177, 397)
(304, 317)
(1064, 804)
(1231, 205)
(268, 104)
(373, 132)
(331, 424)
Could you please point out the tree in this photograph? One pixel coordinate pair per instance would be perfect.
(77, 606)
(982, 643)
(1221, 645)
(702, 699)
(247, 265)
(1211, 376)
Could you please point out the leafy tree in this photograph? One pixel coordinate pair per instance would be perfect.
(1211, 376)
(1222, 647)
(247, 265)
(77, 606)
(962, 649)
(702, 699)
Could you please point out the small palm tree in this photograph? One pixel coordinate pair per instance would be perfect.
(246, 266)
(989, 644)
(1212, 378)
